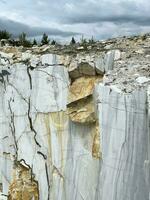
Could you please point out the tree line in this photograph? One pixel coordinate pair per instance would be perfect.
(23, 41)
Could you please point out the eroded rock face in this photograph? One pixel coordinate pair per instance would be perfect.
(36, 128)
(82, 88)
(81, 106)
(125, 144)
(123, 107)
(82, 111)
(92, 65)
(67, 132)
(23, 185)
(96, 148)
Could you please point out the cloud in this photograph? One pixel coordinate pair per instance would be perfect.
(100, 18)
(3, 1)
(107, 18)
(15, 28)
(117, 19)
(116, 11)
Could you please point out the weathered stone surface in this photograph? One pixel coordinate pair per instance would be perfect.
(82, 111)
(54, 59)
(82, 88)
(125, 144)
(27, 102)
(123, 109)
(96, 148)
(91, 65)
(35, 128)
(81, 106)
(142, 80)
(23, 185)
(83, 68)
(81, 141)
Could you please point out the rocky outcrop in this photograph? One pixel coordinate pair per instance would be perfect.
(81, 106)
(23, 186)
(125, 144)
(75, 125)
(37, 129)
(123, 108)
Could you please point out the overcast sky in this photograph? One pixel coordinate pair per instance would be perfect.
(63, 18)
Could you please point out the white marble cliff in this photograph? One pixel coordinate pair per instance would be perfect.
(69, 132)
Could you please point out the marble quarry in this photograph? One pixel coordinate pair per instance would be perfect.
(75, 125)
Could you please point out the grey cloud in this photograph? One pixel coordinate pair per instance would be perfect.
(100, 18)
(15, 28)
(139, 20)
(95, 11)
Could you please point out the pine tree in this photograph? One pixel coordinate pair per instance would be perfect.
(72, 41)
(92, 41)
(83, 41)
(22, 37)
(23, 41)
(4, 35)
(53, 42)
(34, 42)
(45, 39)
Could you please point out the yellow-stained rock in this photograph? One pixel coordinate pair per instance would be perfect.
(64, 60)
(59, 120)
(23, 186)
(9, 49)
(96, 150)
(82, 111)
(82, 87)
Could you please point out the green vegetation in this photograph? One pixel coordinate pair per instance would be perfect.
(53, 42)
(72, 42)
(83, 41)
(45, 39)
(4, 35)
(34, 42)
(23, 41)
(91, 41)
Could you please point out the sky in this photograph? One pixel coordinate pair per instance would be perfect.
(63, 19)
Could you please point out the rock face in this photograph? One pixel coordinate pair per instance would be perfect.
(37, 131)
(23, 186)
(81, 106)
(125, 144)
(75, 126)
(123, 109)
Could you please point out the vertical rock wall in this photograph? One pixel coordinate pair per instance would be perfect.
(125, 135)
(59, 141)
(55, 152)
